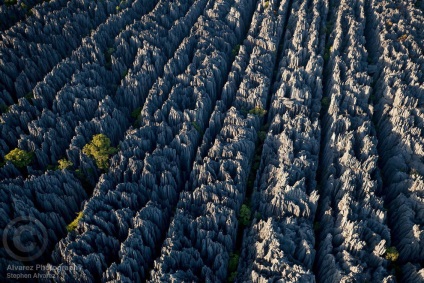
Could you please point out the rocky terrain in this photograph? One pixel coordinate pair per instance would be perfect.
(213, 141)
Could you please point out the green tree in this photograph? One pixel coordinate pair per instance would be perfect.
(20, 158)
(100, 150)
(233, 263)
(392, 254)
(74, 224)
(232, 267)
(258, 111)
(245, 215)
(64, 164)
(136, 113)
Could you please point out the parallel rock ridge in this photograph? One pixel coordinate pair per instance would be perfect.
(352, 220)
(399, 113)
(280, 243)
(247, 141)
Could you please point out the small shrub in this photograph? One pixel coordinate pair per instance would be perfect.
(326, 56)
(327, 53)
(3, 108)
(391, 254)
(233, 263)
(402, 38)
(20, 158)
(74, 224)
(325, 102)
(10, 2)
(82, 177)
(232, 277)
(261, 136)
(99, 148)
(232, 267)
(256, 162)
(29, 96)
(197, 127)
(136, 113)
(245, 214)
(51, 167)
(265, 128)
(258, 111)
(110, 51)
(258, 215)
(328, 28)
(64, 164)
(236, 50)
(250, 182)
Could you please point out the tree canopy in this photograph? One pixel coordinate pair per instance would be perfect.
(74, 224)
(64, 164)
(100, 150)
(245, 215)
(20, 158)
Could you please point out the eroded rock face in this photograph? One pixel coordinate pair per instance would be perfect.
(353, 229)
(400, 89)
(281, 251)
(52, 198)
(208, 208)
(280, 243)
(155, 158)
(307, 113)
(412, 273)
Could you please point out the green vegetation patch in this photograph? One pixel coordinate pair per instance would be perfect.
(64, 164)
(4, 108)
(74, 224)
(100, 150)
(236, 50)
(245, 214)
(197, 127)
(325, 102)
(136, 113)
(391, 254)
(258, 111)
(232, 267)
(20, 158)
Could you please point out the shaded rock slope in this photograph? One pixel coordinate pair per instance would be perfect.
(251, 141)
